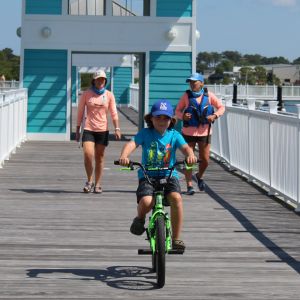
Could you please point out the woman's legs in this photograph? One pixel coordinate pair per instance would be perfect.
(189, 173)
(88, 153)
(99, 163)
(204, 150)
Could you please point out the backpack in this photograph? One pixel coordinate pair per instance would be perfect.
(199, 111)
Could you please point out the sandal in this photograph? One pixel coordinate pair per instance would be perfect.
(97, 189)
(178, 245)
(88, 187)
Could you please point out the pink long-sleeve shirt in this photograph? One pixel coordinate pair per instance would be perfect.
(202, 130)
(97, 107)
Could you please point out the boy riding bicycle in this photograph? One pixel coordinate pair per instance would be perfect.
(159, 144)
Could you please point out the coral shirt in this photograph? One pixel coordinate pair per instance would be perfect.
(202, 130)
(97, 107)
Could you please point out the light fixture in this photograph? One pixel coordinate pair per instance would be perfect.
(197, 34)
(18, 32)
(46, 32)
(172, 34)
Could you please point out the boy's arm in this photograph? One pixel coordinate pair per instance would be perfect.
(188, 152)
(126, 151)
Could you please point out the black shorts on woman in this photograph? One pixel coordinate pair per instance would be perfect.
(99, 138)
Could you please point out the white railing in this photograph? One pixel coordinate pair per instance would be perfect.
(134, 96)
(7, 85)
(263, 145)
(267, 92)
(13, 121)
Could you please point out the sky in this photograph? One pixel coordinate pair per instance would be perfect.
(266, 27)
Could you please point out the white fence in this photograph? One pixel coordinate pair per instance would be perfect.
(134, 96)
(263, 145)
(257, 91)
(13, 121)
(7, 85)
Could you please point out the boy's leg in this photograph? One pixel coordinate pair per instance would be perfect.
(145, 203)
(176, 210)
(144, 206)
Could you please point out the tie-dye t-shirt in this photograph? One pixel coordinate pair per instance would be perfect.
(159, 150)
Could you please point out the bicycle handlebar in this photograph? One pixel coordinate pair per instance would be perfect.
(145, 169)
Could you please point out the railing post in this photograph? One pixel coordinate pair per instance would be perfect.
(298, 161)
(279, 98)
(251, 107)
(272, 110)
(234, 97)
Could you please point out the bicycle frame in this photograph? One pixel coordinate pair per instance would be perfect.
(159, 227)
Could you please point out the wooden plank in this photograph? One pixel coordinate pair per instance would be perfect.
(58, 243)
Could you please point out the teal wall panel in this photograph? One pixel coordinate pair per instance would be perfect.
(122, 80)
(167, 76)
(74, 77)
(108, 84)
(45, 77)
(43, 7)
(174, 8)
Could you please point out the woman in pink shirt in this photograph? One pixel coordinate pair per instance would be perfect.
(196, 128)
(93, 109)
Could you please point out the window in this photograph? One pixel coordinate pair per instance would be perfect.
(131, 8)
(119, 7)
(87, 7)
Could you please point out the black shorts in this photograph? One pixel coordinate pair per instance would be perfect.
(196, 139)
(146, 189)
(99, 138)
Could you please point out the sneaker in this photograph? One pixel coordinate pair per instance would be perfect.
(190, 191)
(178, 245)
(201, 184)
(137, 226)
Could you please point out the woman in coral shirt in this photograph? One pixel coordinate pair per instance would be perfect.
(194, 133)
(93, 109)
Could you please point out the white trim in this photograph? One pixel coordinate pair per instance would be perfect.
(69, 95)
(47, 137)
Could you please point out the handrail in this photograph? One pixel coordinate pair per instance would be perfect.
(13, 121)
(262, 145)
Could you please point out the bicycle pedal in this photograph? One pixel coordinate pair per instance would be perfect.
(175, 251)
(144, 251)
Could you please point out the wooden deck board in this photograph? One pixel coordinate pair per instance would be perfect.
(58, 243)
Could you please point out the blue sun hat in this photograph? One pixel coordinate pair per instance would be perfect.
(162, 107)
(196, 77)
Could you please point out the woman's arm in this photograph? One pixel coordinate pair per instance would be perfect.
(182, 104)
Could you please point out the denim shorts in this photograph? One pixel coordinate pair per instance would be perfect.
(146, 189)
(100, 138)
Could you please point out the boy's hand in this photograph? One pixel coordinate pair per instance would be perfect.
(191, 159)
(124, 161)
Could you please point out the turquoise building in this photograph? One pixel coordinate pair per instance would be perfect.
(58, 34)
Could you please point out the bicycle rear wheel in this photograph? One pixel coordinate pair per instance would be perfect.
(160, 255)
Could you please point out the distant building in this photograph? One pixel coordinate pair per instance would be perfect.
(287, 74)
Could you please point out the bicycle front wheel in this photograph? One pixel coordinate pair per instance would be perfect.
(160, 251)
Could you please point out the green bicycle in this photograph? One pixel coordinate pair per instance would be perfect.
(159, 227)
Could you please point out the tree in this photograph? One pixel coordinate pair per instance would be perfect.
(232, 56)
(9, 64)
(296, 61)
(261, 75)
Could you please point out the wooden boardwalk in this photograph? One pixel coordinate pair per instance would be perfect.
(58, 243)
